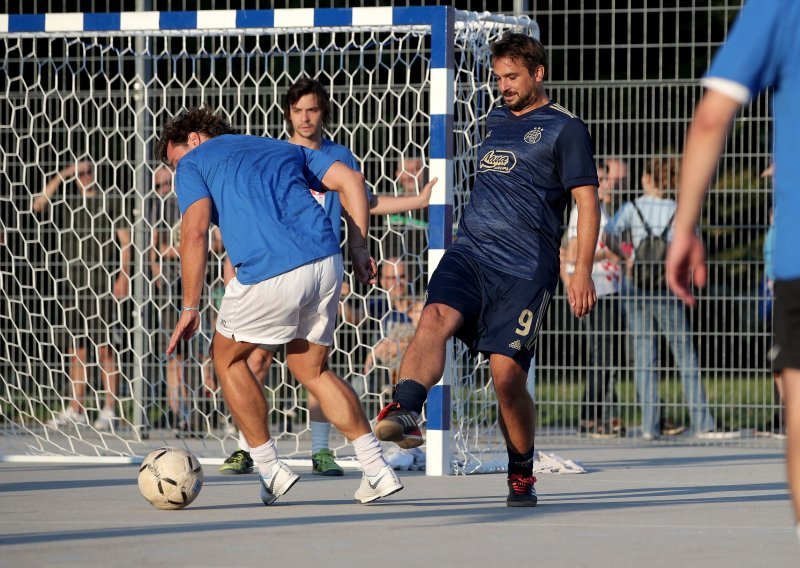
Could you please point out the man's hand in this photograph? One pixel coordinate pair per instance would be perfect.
(364, 266)
(582, 296)
(425, 193)
(187, 325)
(686, 260)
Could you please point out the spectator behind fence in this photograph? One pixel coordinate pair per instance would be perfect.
(652, 311)
(95, 248)
(307, 111)
(599, 411)
(397, 316)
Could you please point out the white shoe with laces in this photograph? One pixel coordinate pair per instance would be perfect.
(280, 480)
(67, 418)
(382, 484)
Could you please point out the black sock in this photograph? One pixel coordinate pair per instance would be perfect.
(520, 464)
(410, 394)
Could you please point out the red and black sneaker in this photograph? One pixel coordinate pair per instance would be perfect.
(521, 491)
(398, 426)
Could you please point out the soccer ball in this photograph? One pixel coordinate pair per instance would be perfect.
(170, 478)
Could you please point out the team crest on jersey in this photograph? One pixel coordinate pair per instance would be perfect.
(533, 136)
(502, 161)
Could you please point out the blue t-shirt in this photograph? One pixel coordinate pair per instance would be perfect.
(762, 50)
(330, 199)
(259, 188)
(527, 165)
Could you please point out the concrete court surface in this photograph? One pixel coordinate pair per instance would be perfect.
(645, 506)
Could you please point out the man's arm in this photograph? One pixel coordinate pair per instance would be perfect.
(42, 200)
(350, 185)
(581, 291)
(194, 255)
(704, 144)
(389, 204)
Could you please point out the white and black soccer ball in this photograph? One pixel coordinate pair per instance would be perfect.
(170, 478)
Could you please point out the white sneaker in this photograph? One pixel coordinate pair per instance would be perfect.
(104, 419)
(67, 418)
(719, 435)
(382, 484)
(280, 480)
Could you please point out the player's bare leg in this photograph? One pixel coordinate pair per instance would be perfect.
(308, 362)
(518, 424)
(421, 368)
(791, 394)
(424, 359)
(245, 399)
(240, 461)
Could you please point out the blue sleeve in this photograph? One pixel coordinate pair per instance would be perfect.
(575, 157)
(190, 185)
(621, 222)
(349, 160)
(317, 165)
(751, 53)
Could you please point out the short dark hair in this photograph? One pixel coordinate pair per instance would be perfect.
(522, 48)
(197, 119)
(299, 90)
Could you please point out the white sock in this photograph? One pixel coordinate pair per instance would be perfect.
(320, 433)
(243, 445)
(369, 453)
(265, 457)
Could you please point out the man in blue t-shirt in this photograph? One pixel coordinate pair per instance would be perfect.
(288, 277)
(307, 111)
(492, 287)
(762, 50)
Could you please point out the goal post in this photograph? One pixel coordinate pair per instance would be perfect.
(93, 88)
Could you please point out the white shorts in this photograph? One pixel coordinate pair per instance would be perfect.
(302, 303)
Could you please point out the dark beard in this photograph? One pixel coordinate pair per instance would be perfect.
(523, 103)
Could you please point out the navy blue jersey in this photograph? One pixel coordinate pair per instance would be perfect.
(528, 164)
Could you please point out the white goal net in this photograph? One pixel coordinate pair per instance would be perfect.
(83, 98)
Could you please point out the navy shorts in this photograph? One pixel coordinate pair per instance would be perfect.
(785, 350)
(502, 313)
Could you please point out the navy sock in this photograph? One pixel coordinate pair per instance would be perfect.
(520, 464)
(410, 394)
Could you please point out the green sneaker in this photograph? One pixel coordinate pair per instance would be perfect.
(322, 463)
(239, 462)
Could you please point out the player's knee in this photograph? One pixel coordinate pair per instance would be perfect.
(438, 320)
(509, 388)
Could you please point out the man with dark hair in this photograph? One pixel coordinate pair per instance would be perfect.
(288, 277)
(493, 286)
(306, 110)
(762, 50)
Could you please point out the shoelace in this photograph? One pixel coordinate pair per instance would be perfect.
(390, 408)
(521, 484)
